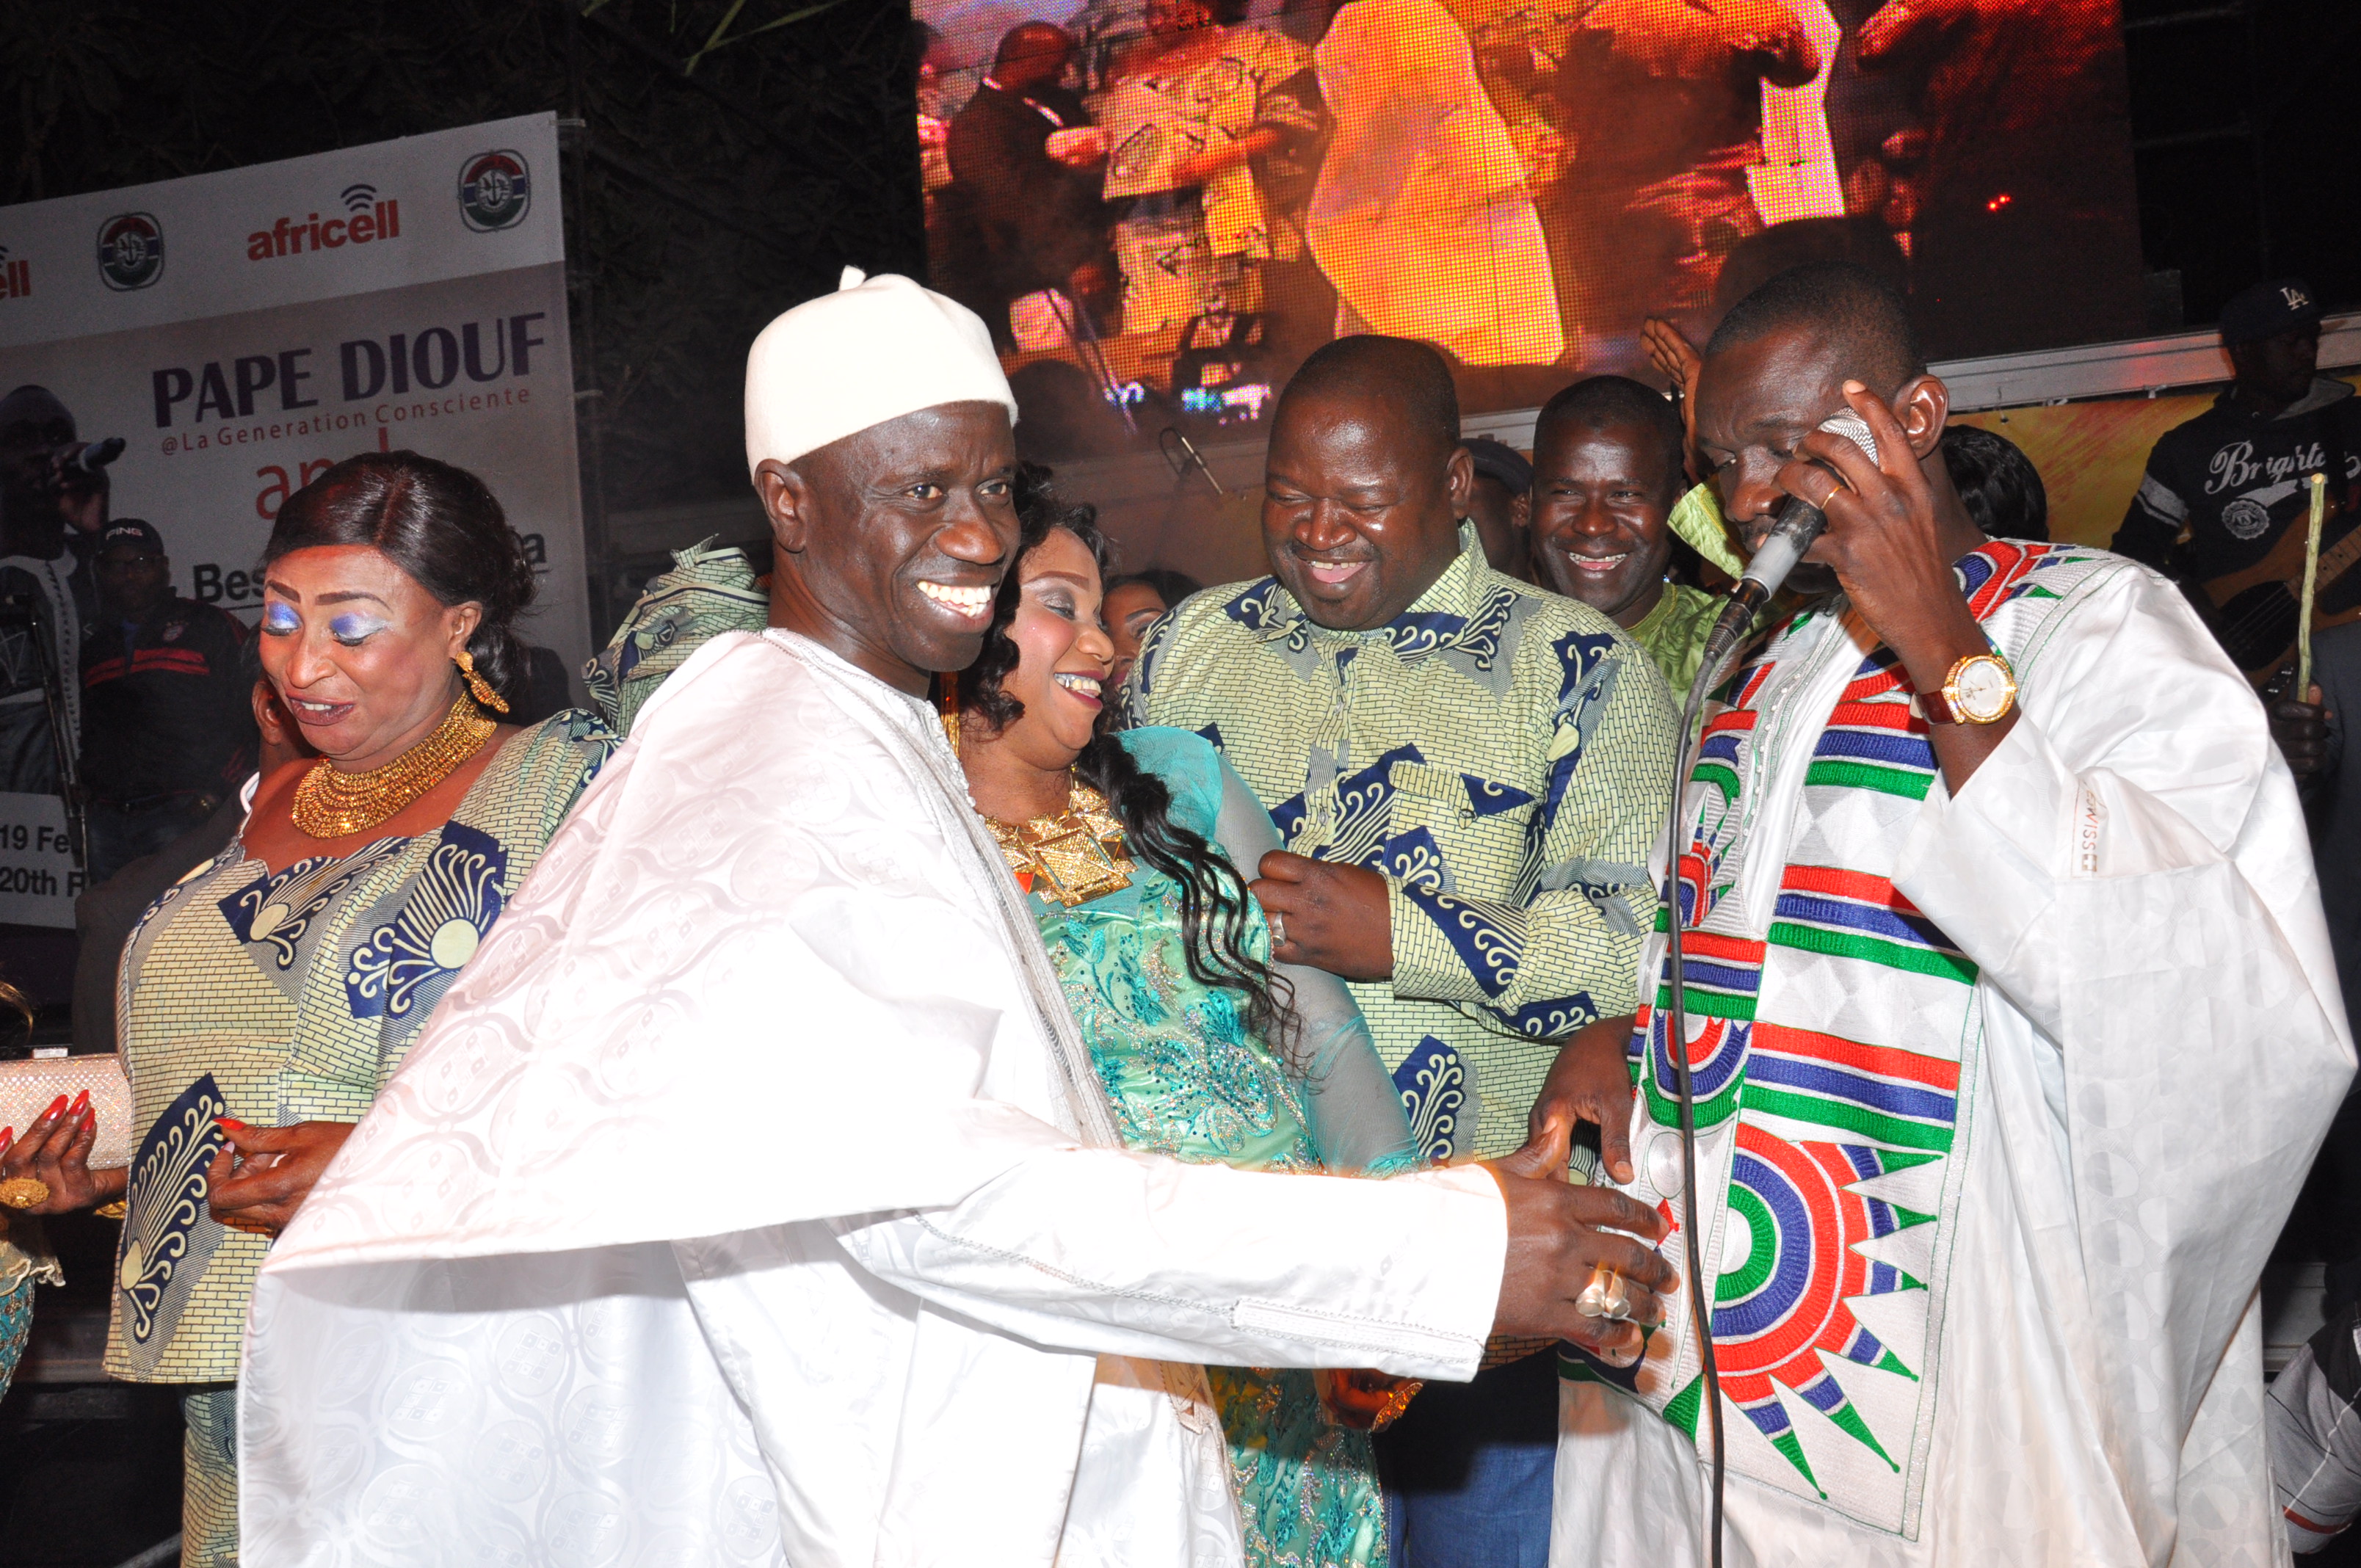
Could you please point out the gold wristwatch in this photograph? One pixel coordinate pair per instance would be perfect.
(1981, 689)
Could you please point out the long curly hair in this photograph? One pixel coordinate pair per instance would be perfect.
(1215, 909)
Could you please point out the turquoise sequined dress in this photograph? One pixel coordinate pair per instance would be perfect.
(1188, 1079)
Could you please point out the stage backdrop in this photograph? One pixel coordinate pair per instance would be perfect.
(1160, 208)
(244, 330)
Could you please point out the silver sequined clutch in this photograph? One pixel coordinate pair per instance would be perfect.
(29, 1088)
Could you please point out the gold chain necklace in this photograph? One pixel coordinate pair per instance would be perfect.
(1073, 857)
(330, 804)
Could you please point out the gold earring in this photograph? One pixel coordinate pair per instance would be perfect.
(478, 687)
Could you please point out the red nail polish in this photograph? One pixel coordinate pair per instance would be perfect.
(55, 1106)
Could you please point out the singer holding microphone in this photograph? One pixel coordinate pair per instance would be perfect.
(2009, 1018)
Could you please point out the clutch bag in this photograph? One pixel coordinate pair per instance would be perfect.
(29, 1088)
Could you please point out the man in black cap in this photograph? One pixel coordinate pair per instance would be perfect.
(1031, 183)
(2220, 490)
(51, 508)
(168, 722)
(1499, 504)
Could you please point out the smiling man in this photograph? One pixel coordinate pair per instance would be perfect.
(2012, 1022)
(1467, 773)
(1607, 474)
(759, 1201)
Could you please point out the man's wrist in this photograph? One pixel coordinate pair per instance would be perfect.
(1928, 659)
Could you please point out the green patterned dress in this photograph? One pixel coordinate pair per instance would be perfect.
(290, 996)
(1188, 1079)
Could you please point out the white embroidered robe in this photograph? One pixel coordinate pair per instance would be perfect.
(741, 1203)
(2004, 1096)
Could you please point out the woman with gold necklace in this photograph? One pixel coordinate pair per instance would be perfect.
(270, 995)
(1129, 844)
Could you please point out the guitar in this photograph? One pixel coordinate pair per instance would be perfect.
(2255, 608)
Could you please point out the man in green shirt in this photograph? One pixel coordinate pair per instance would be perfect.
(1607, 474)
(1469, 773)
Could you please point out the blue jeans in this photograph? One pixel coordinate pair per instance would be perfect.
(1467, 1470)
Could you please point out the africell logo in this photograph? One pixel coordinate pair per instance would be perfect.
(367, 220)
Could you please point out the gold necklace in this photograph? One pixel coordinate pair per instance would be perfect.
(1073, 857)
(330, 804)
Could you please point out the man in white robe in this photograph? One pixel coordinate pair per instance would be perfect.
(751, 1197)
(2011, 1022)
(1422, 218)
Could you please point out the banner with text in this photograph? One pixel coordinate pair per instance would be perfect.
(239, 333)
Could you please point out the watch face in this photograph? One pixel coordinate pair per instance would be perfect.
(1981, 690)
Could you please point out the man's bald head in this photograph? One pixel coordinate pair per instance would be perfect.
(1406, 385)
(1851, 312)
(1032, 54)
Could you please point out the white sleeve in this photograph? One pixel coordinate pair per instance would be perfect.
(2130, 874)
(1123, 1254)
(2140, 768)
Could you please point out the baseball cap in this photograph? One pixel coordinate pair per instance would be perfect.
(131, 531)
(2267, 310)
(1498, 460)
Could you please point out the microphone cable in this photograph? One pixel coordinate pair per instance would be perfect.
(1676, 1046)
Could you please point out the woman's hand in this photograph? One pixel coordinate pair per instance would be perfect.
(1363, 1400)
(55, 1152)
(263, 1174)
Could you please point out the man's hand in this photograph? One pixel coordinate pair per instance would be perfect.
(1886, 545)
(1333, 916)
(1558, 1235)
(1589, 1083)
(1677, 360)
(2301, 731)
(263, 1174)
(82, 497)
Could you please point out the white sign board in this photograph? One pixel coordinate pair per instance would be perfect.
(244, 330)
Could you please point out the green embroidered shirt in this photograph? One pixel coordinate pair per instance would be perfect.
(1502, 756)
(1674, 633)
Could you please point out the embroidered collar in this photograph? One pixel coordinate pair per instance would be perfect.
(1461, 607)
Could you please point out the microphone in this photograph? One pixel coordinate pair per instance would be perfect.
(97, 456)
(1181, 466)
(1797, 528)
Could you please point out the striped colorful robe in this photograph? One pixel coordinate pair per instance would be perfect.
(2002, 1098)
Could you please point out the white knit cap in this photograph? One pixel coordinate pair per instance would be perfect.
(876, 349)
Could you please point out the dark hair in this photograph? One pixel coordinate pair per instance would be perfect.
(1997, 483)
(1172, 587)
(1411, 376)
(1605, 401)
(1840, 303)
(1214, 906)
(436, 523)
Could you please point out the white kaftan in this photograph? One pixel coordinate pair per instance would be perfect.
(1421, 218)
(740, 1204)
(2003, 1098)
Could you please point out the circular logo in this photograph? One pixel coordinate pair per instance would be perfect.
(495, 190)
(2245, 518)
(130, 250)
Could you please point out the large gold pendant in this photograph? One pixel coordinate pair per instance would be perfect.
(334, 804)
(1073, 857)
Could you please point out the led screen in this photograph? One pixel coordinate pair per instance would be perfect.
(1161, 206)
